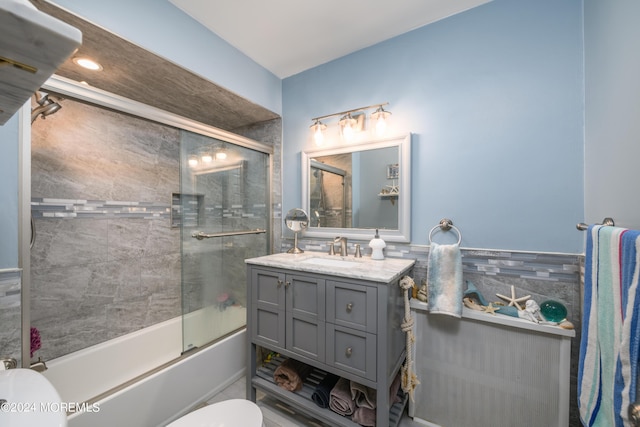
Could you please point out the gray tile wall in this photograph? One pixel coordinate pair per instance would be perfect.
(270, 132)
(10, 313)
(106, 261)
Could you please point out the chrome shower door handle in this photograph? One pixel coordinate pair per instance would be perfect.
(33, 233)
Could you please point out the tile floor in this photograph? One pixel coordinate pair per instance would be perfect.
(277, 414)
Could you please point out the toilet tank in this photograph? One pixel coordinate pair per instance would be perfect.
(485, 370)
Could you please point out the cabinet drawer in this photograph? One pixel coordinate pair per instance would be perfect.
(352, 351)
(352, 305)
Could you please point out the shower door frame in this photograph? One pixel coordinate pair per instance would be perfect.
(78, 91)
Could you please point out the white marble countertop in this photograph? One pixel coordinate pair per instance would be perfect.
(363, 268)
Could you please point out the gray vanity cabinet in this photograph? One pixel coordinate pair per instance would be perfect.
(289, 312)
(344, 321)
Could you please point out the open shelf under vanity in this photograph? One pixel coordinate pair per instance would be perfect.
(303, 402)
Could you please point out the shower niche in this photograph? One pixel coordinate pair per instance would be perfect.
(187, 210)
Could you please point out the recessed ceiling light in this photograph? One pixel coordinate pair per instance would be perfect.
(87, 63)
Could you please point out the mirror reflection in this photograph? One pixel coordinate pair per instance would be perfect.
(353, 189)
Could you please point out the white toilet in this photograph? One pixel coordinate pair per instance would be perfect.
(228, 413)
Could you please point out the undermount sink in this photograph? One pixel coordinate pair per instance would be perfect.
(28, 399)
(330, 262)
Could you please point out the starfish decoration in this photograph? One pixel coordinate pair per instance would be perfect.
(513, 301)
(491, 309)
(393, 189)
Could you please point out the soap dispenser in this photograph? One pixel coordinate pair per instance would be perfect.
(377, 244)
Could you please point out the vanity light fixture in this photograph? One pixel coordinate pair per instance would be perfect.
(318, 129)
(221, 154)
(380, 118)
(206, 157)
(87, 63)
(349, 124)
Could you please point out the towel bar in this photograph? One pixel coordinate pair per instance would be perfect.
(607, 221)
(445, 224)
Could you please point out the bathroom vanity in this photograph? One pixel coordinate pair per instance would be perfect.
(340, 315)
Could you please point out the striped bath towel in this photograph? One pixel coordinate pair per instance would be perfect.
(605, 351)
(627, 363)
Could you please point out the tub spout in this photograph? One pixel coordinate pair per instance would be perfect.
(39, 366)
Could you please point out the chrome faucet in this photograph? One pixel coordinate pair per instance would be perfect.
(343, 245)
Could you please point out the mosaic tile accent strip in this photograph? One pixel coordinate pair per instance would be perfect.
(554, 267)
(525, 265)
(74, 208)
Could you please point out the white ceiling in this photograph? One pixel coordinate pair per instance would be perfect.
(287, 37)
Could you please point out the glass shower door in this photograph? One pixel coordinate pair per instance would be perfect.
(223, 210)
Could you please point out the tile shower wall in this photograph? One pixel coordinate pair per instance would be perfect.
(106, 261)
(10, 314)
(541, 275)
(270, 133)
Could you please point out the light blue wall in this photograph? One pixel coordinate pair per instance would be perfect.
(9, 193)
(494, 98)
(162, 28)
(612, 93)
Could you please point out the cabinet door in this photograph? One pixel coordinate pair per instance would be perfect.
(268, 305)
(305, 301)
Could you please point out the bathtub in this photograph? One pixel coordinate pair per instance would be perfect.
(97, 375)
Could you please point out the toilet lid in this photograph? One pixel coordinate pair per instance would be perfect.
(228, 413)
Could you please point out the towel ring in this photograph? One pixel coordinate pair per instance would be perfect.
(445, 225)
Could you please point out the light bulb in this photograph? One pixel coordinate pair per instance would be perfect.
(380, 117)
(88, 63)
(193, 161)
(318, 131)
(348, 132)
(381, 125)
(318, 136)
(347, 122)
(206, 158)
(221, 155)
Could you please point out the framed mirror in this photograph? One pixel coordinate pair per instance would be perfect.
(351, 190)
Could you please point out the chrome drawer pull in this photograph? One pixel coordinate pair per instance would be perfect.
(280, 282)
(349, 307)
(286, 284)
(348, 352)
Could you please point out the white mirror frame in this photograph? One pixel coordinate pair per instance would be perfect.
(403, 233)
